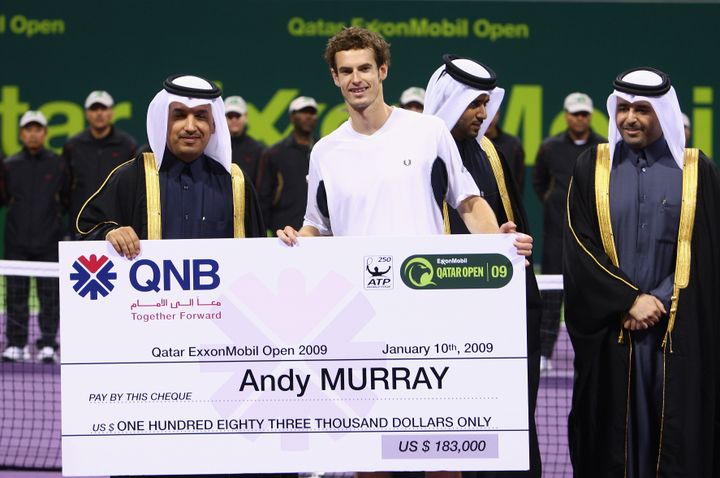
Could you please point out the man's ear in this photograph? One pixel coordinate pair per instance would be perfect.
(335, 77)
(383, 71)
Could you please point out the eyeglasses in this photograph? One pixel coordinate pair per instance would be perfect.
(582, 114)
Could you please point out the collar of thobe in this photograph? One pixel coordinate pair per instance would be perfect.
(652, 153)
(175, 167)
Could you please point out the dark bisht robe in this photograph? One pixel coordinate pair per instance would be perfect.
(122, 201)
(598, 295)
(476, 162)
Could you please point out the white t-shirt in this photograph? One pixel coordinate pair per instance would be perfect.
(380, 184)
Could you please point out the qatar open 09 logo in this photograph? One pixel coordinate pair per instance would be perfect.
(456, 271)
(93, 275)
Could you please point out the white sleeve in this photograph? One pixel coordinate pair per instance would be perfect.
(461, 184)
(313, 216)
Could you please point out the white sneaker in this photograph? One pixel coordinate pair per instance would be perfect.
(16, 354)
(47, 355)
(545, 364)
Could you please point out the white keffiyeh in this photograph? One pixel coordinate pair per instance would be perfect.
(447, 98)
(219, 146)
(667, 110)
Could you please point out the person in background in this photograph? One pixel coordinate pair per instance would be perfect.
(687, 129)
(92, 154)
(511, 149)
(282, 180)
(34, 186)
(413, 99)
(246, 151)
(554, 165)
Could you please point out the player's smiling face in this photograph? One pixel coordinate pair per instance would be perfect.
(359, 77)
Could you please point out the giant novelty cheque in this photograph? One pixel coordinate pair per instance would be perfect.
(339, 354)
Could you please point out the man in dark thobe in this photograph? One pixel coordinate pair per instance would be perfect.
(463, 93)
(187, 188)
(641, 275)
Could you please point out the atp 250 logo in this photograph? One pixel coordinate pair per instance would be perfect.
(93, 276)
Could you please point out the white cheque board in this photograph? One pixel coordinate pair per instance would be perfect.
(340, 354)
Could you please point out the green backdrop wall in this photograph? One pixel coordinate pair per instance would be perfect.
(55, 53)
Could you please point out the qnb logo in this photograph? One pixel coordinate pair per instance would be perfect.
(196, 274)
(93, 276)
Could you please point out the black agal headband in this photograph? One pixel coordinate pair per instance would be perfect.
(467, 78)
(643, 81)
(171, 85)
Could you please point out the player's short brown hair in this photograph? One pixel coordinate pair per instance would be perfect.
(356, 38)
